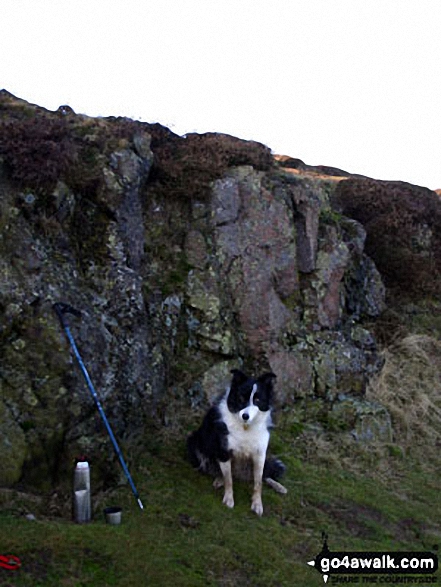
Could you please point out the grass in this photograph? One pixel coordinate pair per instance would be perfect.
(186, 537)
(409, 387)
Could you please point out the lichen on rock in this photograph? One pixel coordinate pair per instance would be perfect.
(187, 256)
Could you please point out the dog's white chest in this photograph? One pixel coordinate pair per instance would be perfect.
(243, 439)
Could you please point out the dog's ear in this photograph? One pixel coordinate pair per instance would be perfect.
(267, 380)
(238, 378)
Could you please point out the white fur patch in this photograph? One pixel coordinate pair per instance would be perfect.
(246, 441)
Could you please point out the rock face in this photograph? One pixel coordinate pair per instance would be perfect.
(289, 273)
(187, 257)
(403, 223)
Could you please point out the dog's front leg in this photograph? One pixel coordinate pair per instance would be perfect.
(256, 502)
(228, 483)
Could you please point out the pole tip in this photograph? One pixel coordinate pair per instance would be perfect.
(140, 504)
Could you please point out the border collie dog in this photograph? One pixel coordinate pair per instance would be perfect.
(233, 439)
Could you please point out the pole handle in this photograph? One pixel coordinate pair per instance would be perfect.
(60, 308)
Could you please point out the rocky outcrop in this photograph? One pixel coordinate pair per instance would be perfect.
(289, 270)
(187, 256)
(403, 224)
(88, 253)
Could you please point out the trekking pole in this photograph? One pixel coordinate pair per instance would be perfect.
(62, 309)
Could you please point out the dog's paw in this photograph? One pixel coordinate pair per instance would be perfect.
(228, 500)
(257, 507)
(218, 483)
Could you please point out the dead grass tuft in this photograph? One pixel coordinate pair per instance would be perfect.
(409, 386)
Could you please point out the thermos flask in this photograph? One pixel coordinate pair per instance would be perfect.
(81, 493)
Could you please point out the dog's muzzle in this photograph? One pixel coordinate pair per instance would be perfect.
(248, 414)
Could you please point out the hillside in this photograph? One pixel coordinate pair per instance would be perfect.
(187, 257)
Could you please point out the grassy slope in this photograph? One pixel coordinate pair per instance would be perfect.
(186, 537)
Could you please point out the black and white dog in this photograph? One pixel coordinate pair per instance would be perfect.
(233, 439)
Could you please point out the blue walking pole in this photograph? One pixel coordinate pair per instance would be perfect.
(62, 309)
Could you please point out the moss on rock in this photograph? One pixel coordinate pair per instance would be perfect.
(13, 447)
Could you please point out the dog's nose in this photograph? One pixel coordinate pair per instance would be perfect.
(245, 416)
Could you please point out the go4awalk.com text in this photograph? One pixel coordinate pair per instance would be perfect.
(393, 568)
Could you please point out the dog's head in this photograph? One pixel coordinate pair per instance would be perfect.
(249, 396)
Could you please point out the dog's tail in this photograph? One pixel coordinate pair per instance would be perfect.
(276, 485)
(273, 470)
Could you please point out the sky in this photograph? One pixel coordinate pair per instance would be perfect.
(353, 84)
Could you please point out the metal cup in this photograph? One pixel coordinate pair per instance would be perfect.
(113, 515)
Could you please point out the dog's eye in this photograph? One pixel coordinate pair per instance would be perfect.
(257, 400)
